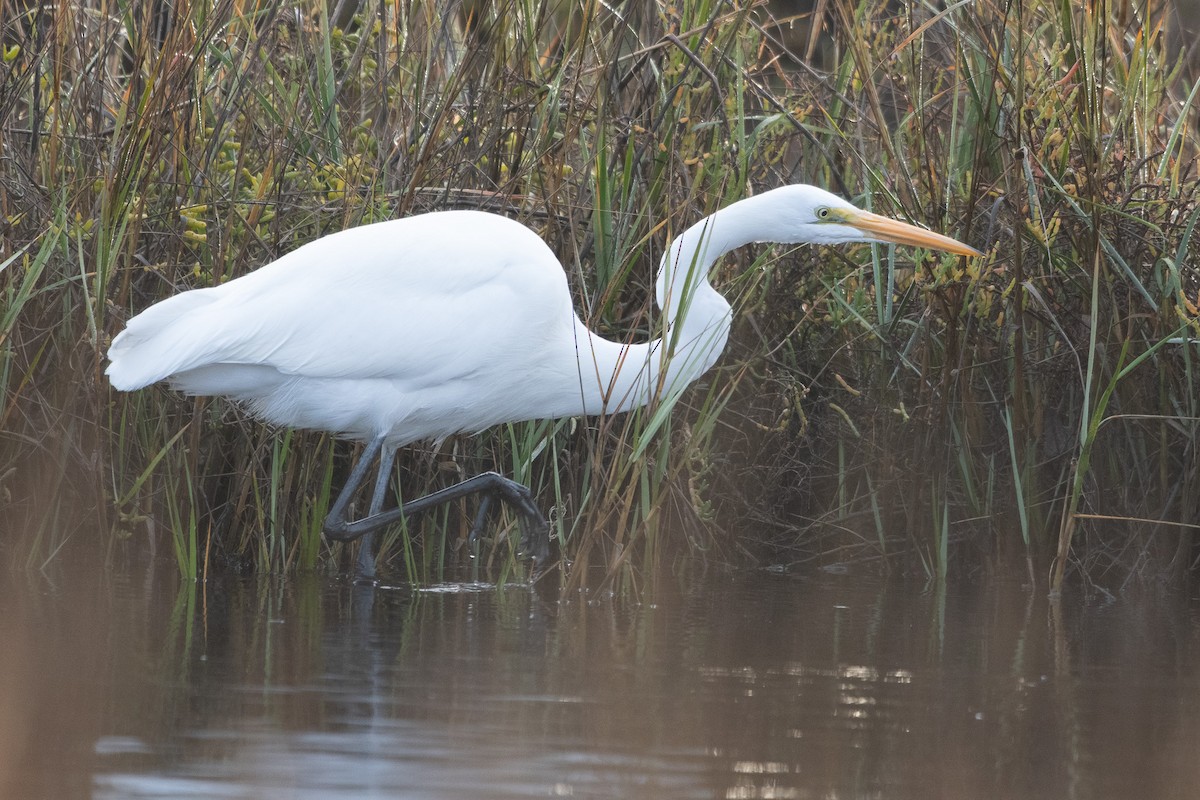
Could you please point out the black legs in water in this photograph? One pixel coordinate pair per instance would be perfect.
(365, 568)
(535, 533)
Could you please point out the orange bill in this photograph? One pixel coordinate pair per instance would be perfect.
(891, 230)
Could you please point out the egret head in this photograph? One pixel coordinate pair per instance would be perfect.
(804, 213)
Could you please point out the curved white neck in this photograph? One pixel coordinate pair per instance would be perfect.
(696, 319)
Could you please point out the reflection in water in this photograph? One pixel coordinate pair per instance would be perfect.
(731, 686)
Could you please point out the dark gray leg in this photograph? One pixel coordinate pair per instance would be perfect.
(535, 532)
(485, 504)
(366, 549)
(337, 514)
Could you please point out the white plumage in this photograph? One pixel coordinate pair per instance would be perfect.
(365, 331)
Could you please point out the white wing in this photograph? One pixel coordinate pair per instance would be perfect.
(418, 301)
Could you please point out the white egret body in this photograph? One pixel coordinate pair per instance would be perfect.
(452, 322)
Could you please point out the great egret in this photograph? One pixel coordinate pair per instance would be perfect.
(452, 322)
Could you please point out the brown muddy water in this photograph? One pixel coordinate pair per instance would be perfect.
(709, 685)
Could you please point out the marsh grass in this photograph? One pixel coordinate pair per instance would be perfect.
(1038, 403)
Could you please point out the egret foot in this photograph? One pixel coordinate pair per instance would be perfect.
(535, 531)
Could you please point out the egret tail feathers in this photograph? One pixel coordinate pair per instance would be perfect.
(162, 340)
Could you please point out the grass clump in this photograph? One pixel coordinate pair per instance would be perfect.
(1038, 402)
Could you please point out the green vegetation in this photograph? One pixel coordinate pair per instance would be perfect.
(1040, 402)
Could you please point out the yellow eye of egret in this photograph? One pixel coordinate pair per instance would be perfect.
(823, 213)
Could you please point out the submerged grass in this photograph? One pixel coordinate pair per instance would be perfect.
(1040, 402)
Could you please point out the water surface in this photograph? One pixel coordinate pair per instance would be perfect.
(717, 685)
